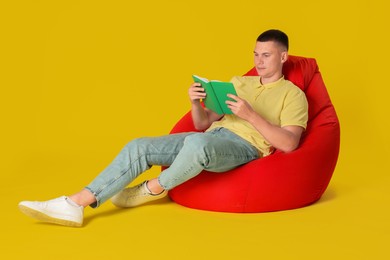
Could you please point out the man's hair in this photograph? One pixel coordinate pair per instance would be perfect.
(275, 36)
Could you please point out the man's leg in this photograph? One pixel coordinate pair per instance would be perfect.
(218, 151)
(135, 158)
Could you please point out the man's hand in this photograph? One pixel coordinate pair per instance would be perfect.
(240, 107)
(196, 93)
(202, 117)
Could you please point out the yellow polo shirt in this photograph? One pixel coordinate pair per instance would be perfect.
(281, 103)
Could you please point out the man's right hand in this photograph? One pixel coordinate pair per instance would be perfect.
(196, 93)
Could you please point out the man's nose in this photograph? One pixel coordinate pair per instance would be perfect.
(259, 60)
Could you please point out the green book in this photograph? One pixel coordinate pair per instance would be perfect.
(216, 94)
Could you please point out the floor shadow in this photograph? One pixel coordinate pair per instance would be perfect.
(116, 211)
(329, 194)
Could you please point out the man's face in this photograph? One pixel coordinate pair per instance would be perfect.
(269, 58)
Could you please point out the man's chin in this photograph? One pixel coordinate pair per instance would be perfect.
(260, 70)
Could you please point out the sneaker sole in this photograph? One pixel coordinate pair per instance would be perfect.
(46, 218)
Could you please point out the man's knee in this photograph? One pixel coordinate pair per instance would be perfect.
(138, 144)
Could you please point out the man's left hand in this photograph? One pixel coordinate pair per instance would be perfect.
(240, 107)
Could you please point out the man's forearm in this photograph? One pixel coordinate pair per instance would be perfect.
(285, 139)
(199, 116)
(202, 117)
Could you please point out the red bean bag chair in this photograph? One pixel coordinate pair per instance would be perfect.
(280, 181)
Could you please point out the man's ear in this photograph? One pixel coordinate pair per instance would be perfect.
(284, 56)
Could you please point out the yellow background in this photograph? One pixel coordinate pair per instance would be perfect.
(79, 79)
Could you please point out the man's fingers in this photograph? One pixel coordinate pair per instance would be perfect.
(234, 97)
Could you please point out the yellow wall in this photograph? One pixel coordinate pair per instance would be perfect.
(81, 78)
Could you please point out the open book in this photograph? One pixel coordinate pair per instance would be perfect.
(216, 94)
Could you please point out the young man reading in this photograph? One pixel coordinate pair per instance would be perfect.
(269, 113)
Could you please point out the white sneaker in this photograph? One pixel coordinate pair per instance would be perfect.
(134, 196)
(60, 211)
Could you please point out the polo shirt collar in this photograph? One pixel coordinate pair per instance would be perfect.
(272, 84)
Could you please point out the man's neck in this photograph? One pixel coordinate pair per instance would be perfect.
(268, 80)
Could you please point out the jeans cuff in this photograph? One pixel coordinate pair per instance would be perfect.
(159, 182)
(95, 204)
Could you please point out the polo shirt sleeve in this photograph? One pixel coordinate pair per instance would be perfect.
(295, 109)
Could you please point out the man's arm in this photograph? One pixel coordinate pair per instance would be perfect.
(285, 138)
(202, 117)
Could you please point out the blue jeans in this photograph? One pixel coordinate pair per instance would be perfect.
(187, 154)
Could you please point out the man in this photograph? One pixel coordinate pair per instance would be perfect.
(268, 113)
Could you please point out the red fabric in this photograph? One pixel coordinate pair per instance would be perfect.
(280, 181)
